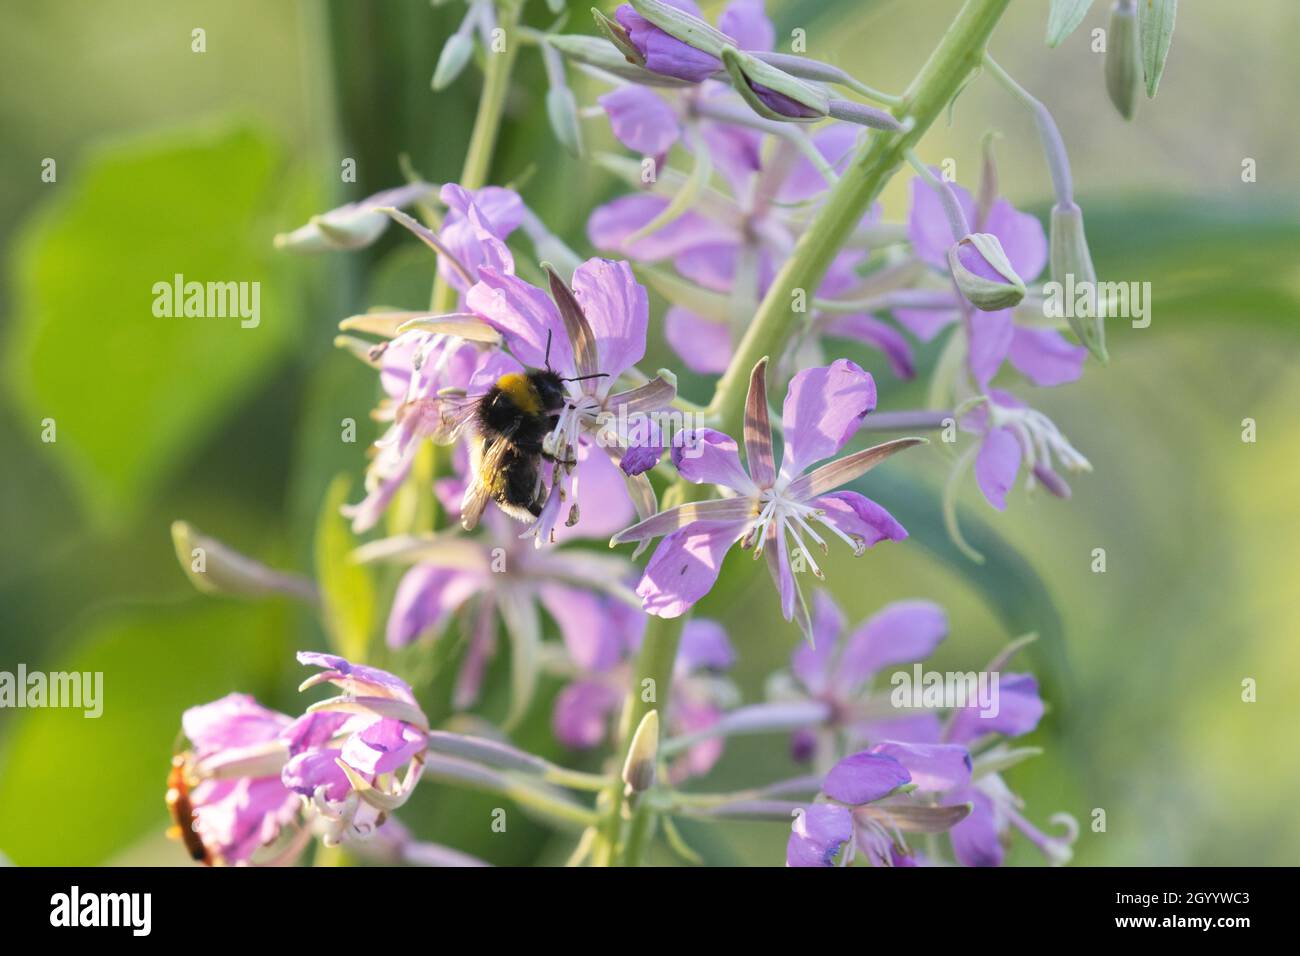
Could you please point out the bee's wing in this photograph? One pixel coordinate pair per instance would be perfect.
(444, 416)
(486, 459)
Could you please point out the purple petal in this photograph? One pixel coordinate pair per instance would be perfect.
(603, 502)
(857, 515)
(524, 315)
(665, 54)
(239, 817)
(735, 150)
(823, 408)
(618, 310)
(315, 729)
(899, 633)
(975, 840)
(836, 144)
(358, 679)
(584, 625)
(811, 665)
(933, 767)
(990, 341)
(708, 456)
(383, 747)
(1045, 357)
(818, 834)
(711, 264)
(426, 597)
(879, 335)
(691, 717)
(704, 345)
(610, 226)
(704, 646)
(864, 777)
(582, 714)
(316, 768)
(927, 224)
(1022, 238)
(925, 324)
(235, 720)
(641, 120)
(746, 22)
(996, 465)
(1019, 709)
(684, 567)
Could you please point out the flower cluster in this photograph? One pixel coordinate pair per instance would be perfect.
(516, 412)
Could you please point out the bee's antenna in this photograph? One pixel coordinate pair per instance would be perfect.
(548, 350)
(583, 378)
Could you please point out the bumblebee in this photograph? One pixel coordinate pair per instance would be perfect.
(511, 420)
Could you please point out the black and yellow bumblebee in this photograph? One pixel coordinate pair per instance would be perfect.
(511, 420)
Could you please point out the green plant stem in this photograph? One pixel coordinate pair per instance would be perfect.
(1058, 163)
(654, 663)
(959, 54)
(487, 124)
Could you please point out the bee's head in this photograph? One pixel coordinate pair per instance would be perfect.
(549, 384)
(550, 389)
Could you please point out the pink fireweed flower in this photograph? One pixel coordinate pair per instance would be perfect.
(600, 664)
(722, 241)
(346, 753)
(590, 334)
(1041, 354)
(427, 356)
(765, 509)
(1011, 434)
(839, 667)
(870, 799)
(496, 579)
(225, 793)
(354, 225)
(980, 839)
(415, 369)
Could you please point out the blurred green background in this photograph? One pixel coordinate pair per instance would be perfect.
(170, 161)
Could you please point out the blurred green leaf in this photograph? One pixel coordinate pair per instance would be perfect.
(1156, 24)
(1064, 17)
(347, 592)
(76, 790)
(1006, 580)
(132, 393)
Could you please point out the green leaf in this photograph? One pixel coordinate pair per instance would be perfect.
(132, 393)
(1156, 24)
(347, 591)
(77, 790)
(1064, 17)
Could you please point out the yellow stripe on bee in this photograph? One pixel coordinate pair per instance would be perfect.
(521, 391)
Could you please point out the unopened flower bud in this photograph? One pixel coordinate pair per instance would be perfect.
(642, 755)
(355, 225)
(1123, 59)
(984, 274)
(452, 60)
(1071, 266)
(215, 568)
(771, 92)
(670, 41)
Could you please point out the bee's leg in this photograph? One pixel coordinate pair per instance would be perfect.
(567, 462)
